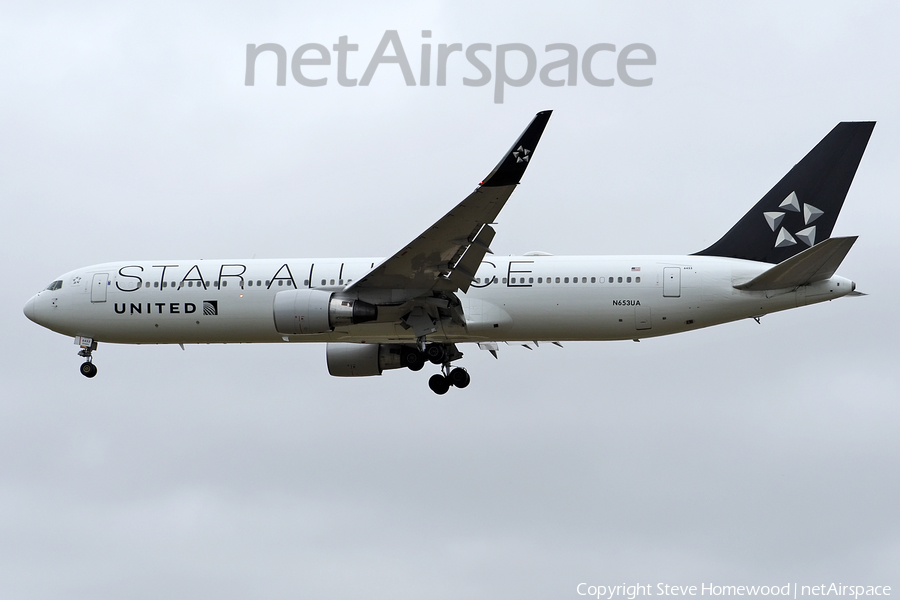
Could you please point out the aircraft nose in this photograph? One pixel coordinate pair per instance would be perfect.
(29, 309)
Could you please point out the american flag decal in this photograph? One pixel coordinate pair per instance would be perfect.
(635, 268)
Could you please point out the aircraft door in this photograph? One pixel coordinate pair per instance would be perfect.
(672, 282)
(98, 287)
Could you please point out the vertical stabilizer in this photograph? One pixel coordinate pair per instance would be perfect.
(802, 208)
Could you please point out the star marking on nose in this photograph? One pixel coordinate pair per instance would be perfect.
(521, 154)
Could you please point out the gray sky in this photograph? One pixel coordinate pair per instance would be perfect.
(741, 454)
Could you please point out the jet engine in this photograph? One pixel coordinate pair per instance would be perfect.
(362, 360)
(318, 311)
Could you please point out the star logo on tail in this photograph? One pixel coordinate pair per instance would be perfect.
(784, 238)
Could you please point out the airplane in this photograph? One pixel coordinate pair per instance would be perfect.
(446, 287)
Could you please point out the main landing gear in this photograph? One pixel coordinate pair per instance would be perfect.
(88, 369)
(441, 382)
(439, 354)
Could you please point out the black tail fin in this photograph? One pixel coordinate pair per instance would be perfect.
(803, 207)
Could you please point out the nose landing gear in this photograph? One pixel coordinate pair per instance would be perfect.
(88, 369)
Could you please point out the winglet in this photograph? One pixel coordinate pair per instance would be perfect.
(510, 170)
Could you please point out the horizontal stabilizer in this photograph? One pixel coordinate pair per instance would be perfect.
(813, 264)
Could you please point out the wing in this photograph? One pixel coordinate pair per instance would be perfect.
(446, 255)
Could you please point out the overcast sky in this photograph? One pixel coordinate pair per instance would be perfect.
(741, 454)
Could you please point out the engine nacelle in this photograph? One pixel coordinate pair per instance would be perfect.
(361, 360)
(318, 311)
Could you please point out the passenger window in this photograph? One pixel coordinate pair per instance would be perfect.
(165, 283)
(147, 284)
(531, 280)
(156, 284)
(540, 280)
(250, 283)
(513, 280)
(305, 282)
(566, 280)
(504, 280)
(281, 282)
(584, 280)
(224, 284)
(628, 279)
(637, 279)
(332, 282)
(557, 280)
(593, 280)
(620, 280)
(323, 282)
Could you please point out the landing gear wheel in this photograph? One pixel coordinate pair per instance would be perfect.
(413, 359)
(439, 384)
(459, 377)
(87, 349)
(435, 353)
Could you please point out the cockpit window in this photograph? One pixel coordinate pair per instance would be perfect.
(55, 285)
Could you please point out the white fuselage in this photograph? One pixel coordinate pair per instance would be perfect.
(514, 298)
